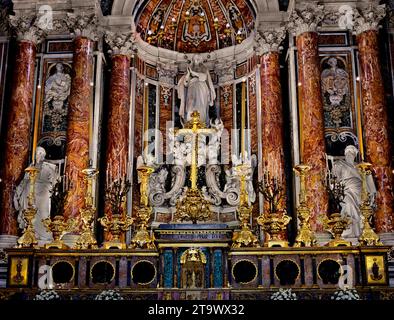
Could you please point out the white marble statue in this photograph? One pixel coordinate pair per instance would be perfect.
(44, 183)
(196, 91)
(348, 174)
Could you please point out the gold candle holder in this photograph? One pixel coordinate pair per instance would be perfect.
(275, 221)
(116, 225)
(142, 239)
(28, 238)
(87, 239)
(245, 236)
(336, 225)
(58, 226)
(305, 236)
(368, 236)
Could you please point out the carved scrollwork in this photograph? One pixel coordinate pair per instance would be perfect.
(158, 194)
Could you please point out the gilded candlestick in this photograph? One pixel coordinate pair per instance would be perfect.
(28, 239)
(87, 239)
(368, 236)
(244, 237)
(305, 237)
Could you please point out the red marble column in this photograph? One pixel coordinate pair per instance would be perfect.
(375, 122)
(17, 138)
(272, 117)
(77, 150)
(118, 120)
(312, 124)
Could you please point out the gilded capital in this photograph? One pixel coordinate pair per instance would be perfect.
(306, 19)
(83, 25)
(269, 40)
(368, 19)
(28, 28)
(121, 43)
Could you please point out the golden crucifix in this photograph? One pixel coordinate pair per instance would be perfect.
(195, 128)
(193, 206)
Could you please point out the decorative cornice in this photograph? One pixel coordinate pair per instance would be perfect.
(84, 25)
(306, 19)
(121, 43)
(368, 19)
(269, 40)
(28, 28)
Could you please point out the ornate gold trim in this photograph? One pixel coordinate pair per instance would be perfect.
(146, 283)
(68, 262)
(91, 271)
(246, 260)
(291, 260)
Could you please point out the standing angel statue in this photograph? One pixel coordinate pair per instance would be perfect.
(196, 91)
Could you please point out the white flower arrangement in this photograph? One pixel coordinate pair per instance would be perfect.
(109, 295)
(284, 294)
(47, 295)
(346, 294)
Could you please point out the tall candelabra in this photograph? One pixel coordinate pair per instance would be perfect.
(28, 238)
(275, 221)
(87, 239)
(368, 236)
(334, 222)
(142, 238)
(245, 236)
(305, 236)
(116, 220)
(58, 225)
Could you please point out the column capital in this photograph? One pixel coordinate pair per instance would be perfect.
(28, 28)
(367, 19)
(4, 21)
(167, 72)
(122, 43)
(305, 19)
(269, 40)
(84, 25)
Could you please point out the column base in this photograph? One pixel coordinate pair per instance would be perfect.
(7, 241)
(323, 238)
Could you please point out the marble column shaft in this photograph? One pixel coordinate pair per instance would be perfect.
(17, 138)
(118, 120)
(77, 150)
(312, 124)
(375, 125)
(272, 118)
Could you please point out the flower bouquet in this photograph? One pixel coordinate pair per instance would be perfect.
(284, 294)
(46, 295)
(346, 294)
(109, 295)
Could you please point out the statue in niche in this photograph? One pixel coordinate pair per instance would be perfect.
(347, 173)
(196, 91)
(57, 91)
(45, 180)
(193, 263)
(335, 89)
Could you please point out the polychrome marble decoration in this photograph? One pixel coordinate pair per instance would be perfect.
(57, 92)
(336, 93)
